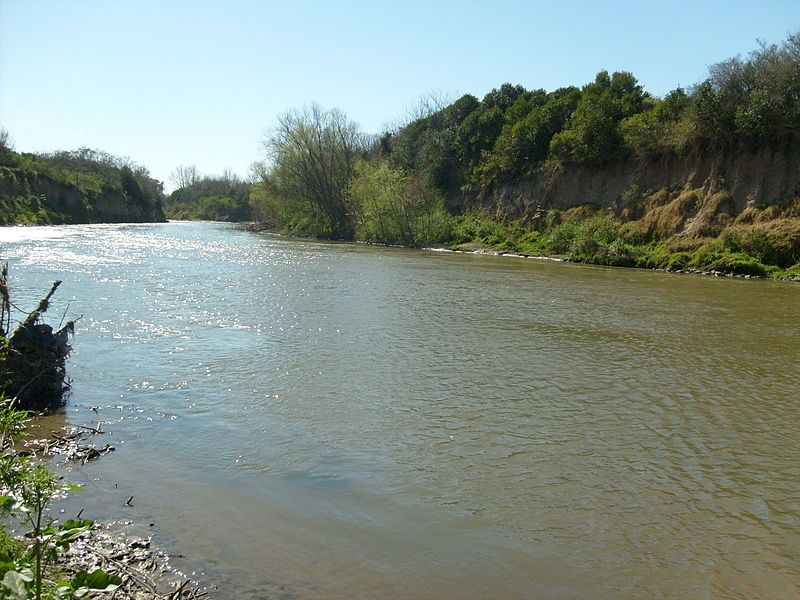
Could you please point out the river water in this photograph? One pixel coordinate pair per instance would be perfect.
(314, 420)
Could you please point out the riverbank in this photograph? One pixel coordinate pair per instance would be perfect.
(117, 549)
(671, 234)
(82, 186)
(42, 555)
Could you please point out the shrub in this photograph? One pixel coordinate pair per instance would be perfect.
(773, 242)
(391, 207)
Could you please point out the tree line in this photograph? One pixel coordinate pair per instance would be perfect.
(323, 176)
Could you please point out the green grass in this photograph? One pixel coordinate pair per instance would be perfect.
(596, 237)
(29, 210)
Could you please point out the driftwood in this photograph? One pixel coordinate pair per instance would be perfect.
(32, 363)
(69, 444)
(144, 571)
(5, 302)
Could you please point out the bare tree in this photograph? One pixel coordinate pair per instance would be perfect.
(184, 176)
(5, 139)
(231, 178)
(425, 106)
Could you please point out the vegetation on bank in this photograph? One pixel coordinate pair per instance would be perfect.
(206, 198)
(42, 556)
(31, 363)
(30, 565)
(81, 186)
(442, 178)
(434, 180)
(754, 244)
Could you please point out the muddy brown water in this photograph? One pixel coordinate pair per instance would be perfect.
(311, 420)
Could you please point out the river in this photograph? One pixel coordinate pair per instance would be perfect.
(336, 421)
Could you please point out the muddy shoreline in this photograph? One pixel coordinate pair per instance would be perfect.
(114, 546)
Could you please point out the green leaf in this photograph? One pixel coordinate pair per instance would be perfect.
(75, 523)
(17, 582)
(98, 580)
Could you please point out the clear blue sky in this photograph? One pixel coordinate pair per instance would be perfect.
(169, 83)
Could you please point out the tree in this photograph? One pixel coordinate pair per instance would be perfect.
(183, 177)
(592, 133)
(524, 141)
(394, 207)
(313, 154)
(5, 139)
(130, 185)
(6, 148)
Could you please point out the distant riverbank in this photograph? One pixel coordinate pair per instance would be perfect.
(755, 246)
(83, 186)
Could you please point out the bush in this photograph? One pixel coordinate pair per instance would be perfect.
(391, 207)
(773, 242)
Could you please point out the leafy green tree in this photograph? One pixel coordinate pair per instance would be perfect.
(313, 154)
(592, 134)
(659, 127)
(752, 100)
(426, 145)
(525, 143)
(130, 185)
(477, 134)
(393, 208)
(6, 148)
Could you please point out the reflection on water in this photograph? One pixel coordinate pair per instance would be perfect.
(308, 420)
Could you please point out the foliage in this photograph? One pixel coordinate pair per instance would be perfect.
(313, 154)
(27, 489)
(592, 133)
(660, 128)
(775, 242)
(224, 198)
(525, 139)
(6, 148)
(753, 100)
(392, 208)
(461, 151)
(590, 235)
(64, 187)
(513, 132)
(426, 145)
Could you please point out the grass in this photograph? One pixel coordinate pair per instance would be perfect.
(593, 236)
(29, 210)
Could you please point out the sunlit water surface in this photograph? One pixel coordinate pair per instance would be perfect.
(310, 420)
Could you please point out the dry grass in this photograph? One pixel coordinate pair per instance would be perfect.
(665, 220)
(714, 215)
(773, 242)
(660, 198)
(788, 209)
(634, 208)
(579, 213)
